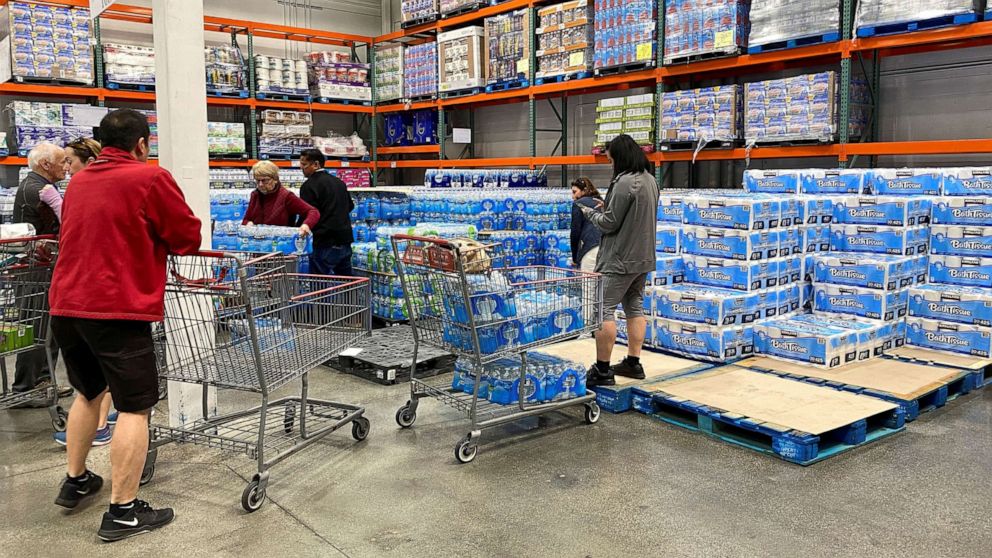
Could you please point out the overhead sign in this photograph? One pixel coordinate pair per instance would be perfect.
(97, 7)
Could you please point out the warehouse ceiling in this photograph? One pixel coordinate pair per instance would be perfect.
(363, 7)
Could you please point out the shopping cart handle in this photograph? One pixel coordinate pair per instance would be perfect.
(35, 238)
(430, 239)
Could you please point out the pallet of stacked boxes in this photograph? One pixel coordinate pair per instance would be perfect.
(66, 57)
(697, 30)
(625, 36)
(508, 47)
(389, 73)
(885, 17)
(633, 115)
(695, 118)
(780, 24)
(564, 42)
(461, 70)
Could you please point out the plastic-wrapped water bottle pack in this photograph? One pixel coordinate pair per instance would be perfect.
(547, 378)
(488, 210)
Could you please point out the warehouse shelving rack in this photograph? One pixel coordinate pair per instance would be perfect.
(844, 53)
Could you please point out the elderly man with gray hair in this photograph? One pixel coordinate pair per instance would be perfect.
(37, 202)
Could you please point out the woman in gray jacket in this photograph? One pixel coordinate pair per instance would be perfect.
(626, 256)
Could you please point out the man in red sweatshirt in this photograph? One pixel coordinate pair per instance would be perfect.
(121, 218)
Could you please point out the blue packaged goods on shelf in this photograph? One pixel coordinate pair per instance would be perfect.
(694, 28)
(730, 274)
(815, 209)
(790, 212)
(967, 182)
(790, 241)
(903, 182)
(700, 115)
(670, 206)
(870, 271)
(962, 210)
(625, 33)
(949, 337)
(832, 181)
(816, 238)
(957, 240)
(859, 301)
(424, 127)
(790, 269)
(872, 337)
(952, 303)
(772, 181)
(879, 239)
(881, 210)
(668, 270)
(708, 305)
(704, 342)
(800, 340)
(731, 244)
(754, 212)
(667, 238)
(958, 270)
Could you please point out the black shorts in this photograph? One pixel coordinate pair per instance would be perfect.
(115, 353)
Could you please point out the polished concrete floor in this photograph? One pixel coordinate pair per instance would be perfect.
(627, 486)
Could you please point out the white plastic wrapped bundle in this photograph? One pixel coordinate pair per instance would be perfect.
(773, 21)
(882, 12)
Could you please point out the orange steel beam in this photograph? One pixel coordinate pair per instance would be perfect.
(632, 80)
(339, 108)
(401, 107)
(958, 36)
(12, 88)
(924, 147)
(409, 150)
(482, 99)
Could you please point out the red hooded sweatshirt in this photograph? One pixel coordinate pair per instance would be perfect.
(120, 219)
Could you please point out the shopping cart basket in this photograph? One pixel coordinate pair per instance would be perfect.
(26, 266)
(457, 301)
(250, 325)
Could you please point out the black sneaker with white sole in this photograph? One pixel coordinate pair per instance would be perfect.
(141, 518)
(73, 491)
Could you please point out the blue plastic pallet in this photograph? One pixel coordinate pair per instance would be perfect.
(908, 26)
(283, 97)
(277, 156)
(507, 85)
(808, 40)
(562, 78)
(462, 92)
(329, 100)
(962, 384)
(236, 94)
(130, 86)
(793, 446)
(620, 399)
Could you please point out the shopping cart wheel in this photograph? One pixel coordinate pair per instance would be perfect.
(253, 496)
(466, 450)
(592, 412)
(146, 474)
(60, 422)
(405, 417)
(360, 428)
(289, 416)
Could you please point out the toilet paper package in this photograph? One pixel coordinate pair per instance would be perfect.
(796, 340)
(668, 270)
(873, 337)
(779, 301)
(730, 274)
(879, 239)
(962, 210)
(949, 337)
(967, 182)
(903, 182)
(668, 239)
(831, 181)
(858, 301)
(816, 238)
(730, 244)
(704, 342)
(771, 181)
(751, 213)
(957, 240)
(815, 209)
(706, 305)
(670, 205)
(958, 270)
(952, 303)
(869, 271)
(881, 210)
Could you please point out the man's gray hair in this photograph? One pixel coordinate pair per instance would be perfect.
(44, 151)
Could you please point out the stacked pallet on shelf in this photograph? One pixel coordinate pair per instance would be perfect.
(281, 78)
(564, 41)
(459, 55)
(420, 71)
(633, 115)
(284, 133)
(226, 139)
(704, 29)
(129, 65)
(46, 43)
(33, 123)
(508, 47)
(334, 76)
(389, 73)
(701, 116)
(416, 12)
(884, 17)
(778, 24)
(625, 35)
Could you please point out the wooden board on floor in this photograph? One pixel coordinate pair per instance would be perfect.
(656, 365)
(767, 398)
(964, 362)
(906, 380)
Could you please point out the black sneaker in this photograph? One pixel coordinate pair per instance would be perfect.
(141, 518)
(628, 370)
(72, 493)
(594, 378)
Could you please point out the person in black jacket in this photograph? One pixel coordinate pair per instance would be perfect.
(332, 236)
(585, 236)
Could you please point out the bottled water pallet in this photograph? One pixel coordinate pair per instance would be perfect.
(419, 21)
(130, 86)
(52, 81)
(507, 85)
(719, 53)
(227, 93)
(917, 25)
(468, 8)
(962, 384)
(623, 68)
(329, 100)
(385, 357)
(561, 78)
(808, 40)
(462, 93)
(291, 97)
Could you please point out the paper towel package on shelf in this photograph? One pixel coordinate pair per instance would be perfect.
(870, 271)
(957, 240)
(859, 301)
(903, 182)
(952, 303)
(967, 182)
(949, 337)
(881, 210)
(963, 271)
(704, 342)
(706, 305)
(880, 239)
(962, 210)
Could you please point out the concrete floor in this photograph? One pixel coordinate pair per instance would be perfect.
(628, 486)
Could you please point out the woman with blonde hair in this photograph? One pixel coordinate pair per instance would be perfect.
(272, 204)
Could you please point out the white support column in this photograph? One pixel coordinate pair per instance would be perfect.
(180, 97)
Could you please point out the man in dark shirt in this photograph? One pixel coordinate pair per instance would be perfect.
(332, 237)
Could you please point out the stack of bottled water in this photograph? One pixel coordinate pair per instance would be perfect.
(521, 210)
(229, 205)
(548, 378)
(273, 334)
(488, 179)
(7, 205)
(232, 236)
(373, 209)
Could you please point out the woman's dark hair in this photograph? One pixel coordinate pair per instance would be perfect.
(122, 128)
(586, 188)
(628, 157)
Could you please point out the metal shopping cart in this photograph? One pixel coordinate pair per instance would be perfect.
(26, 266)
(457, 301)
(252, 325)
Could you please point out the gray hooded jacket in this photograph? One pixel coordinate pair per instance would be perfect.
(628, 221)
